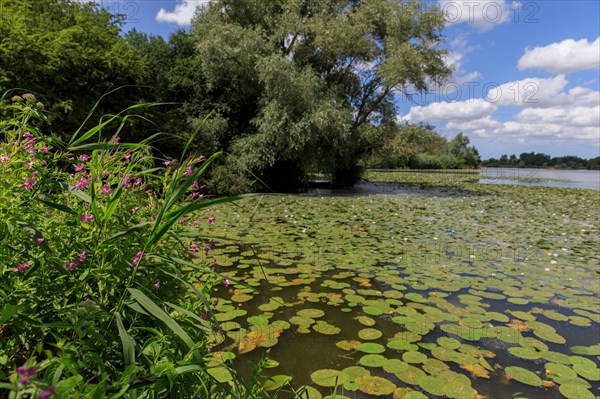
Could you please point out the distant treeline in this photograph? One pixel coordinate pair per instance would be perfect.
(540, 160)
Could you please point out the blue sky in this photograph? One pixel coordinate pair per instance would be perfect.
(526, 72)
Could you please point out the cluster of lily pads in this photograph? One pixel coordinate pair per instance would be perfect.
(462, 292)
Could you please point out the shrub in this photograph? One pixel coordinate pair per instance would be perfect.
(97, 260)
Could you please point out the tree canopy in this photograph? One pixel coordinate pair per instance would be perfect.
(301, 84)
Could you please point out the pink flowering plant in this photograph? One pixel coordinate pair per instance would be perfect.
(96, 300)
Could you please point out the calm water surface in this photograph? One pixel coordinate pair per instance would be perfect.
(589, 179)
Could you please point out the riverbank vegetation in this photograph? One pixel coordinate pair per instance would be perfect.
(539, 160)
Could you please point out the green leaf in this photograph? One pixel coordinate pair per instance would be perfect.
(127, 341)
(160, 314)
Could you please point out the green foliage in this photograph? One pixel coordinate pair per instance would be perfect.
(420, 147)
(68, 54)
(89, 273)
(537, 160)
(301, 86)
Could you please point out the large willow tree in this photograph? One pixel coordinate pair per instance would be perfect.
(302, 85)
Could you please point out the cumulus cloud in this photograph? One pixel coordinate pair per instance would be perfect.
(542, 93)
(182, 14)
(482, 14)
(548, 111)
(459, 111)
(564, 57)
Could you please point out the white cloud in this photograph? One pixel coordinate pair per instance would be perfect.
(564, 57)
(459, 111)
(541, 93)
(183, 13)
(482, 14)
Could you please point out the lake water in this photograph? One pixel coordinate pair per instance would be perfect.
(589, 179)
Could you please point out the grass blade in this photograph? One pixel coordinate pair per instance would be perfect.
(161, 315)
(127, 341)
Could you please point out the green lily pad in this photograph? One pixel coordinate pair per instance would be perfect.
(401, 345)
(276, 382)
(432, 385)
(311, 313)
(366, 321)
(258, 320)
(301, 321)
(395, 366)
(241, 297)
(411, 375)
(373, 311)
(593, 350)
(371, 347)
(354, 372)
(554, 315)
(372, 360)
(376, 386)
(348, 345)
(448, 343)
(575, 391)
(414, 357)
(523, 375)
(369, 334)
(559, 372)
(329, 377)
(525, 353)
(322, 327)
(589, 373)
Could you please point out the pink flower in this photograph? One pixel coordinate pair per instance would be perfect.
(29, 183)
(4, 158)
(87, 218)
(210, 220)
(194, 248)
(27, 135)
(157, 285)
(72, 264)
(46, 394)
(207, 248)
(84, 157)
(137, 181)
(196, 195)
(196, 185)
(82, 256)
(181, 221)
(136, 258)
(227, 282)
(202, 158)
(196, 222)
(27, 373)
(134, 210)
(40, 240)
(188, 171)
(106, 173)
(128, 156)
(127, 180)
(82, 183)
(116, 140)
(169, 163)
(45, 149)
(29, 164)
(105, 189)
(79, 167)
(21, 268)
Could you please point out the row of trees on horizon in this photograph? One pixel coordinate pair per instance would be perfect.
(540, 160)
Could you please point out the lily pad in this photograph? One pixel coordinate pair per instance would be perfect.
(369, 334)
(329, 377)
(354, 372)
(432, 385)
(221, 374)
(376, 386)
(322, 327)
(311, 313)
(366, 321)
(414, 357)
(448, 343)
(276, 382)
(395, 366)
(575, 391)
(348, 345)
(523, 375)
(372, 360)
(371, 347)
